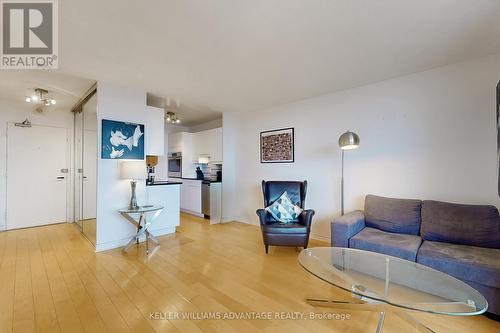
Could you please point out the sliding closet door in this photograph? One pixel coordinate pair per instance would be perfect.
(86, 168)
(89, 183)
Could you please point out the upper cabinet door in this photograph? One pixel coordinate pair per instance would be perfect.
(154, 131)
(213, 139)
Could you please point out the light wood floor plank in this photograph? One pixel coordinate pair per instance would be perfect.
(51, 280)
(7, 280)
(80, 253)
(45, 313)
(67, 316)
(85, 308)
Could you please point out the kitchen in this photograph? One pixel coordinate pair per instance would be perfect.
(194, 157)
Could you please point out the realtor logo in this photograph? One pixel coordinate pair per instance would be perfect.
(29, 34)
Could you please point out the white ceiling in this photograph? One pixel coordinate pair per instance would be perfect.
(234, 55)
(16, 85)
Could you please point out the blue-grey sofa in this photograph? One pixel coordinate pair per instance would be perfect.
(460, 240)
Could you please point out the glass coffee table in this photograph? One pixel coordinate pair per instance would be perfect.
(381, 283)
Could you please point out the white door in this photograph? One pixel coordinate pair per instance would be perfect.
(36, 181)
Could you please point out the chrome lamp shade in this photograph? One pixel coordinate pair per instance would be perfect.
(348, 140)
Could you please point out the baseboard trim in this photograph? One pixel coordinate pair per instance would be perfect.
(232, 219)
(320, 237)
(191, 213)
(122, 242)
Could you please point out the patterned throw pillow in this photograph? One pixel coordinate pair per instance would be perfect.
(283, 210)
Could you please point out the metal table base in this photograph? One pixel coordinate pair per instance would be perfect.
(142, 225)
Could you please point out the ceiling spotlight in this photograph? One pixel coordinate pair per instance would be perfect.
(177, 121)
(40, 97)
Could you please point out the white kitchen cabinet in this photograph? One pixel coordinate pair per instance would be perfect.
(207, 143)
(191, 196)
(183, 142)
(175, 142)
(216, 144)
(154, 132)
(215, 203)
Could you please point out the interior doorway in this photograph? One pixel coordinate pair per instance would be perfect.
(37, 175)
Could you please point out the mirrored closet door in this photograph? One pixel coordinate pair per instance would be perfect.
(86, 168)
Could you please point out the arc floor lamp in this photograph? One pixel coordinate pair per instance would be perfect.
(347, 141)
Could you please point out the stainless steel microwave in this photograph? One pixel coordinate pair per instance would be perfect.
(175, 165)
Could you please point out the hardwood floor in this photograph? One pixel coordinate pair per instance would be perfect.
(52, 281)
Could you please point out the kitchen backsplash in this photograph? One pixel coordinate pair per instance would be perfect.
(209, 170)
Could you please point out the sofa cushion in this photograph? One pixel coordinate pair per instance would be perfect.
(393, 215)
(397, 245)
(288, 228)
(471, 263)
(474, 225)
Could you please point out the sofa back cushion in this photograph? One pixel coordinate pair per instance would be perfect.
(475, 225)
(393, 215)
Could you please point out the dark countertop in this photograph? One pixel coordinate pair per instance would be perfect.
(201, 180)
(162, 182)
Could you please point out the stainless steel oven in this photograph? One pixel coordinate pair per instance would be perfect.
(175, 165)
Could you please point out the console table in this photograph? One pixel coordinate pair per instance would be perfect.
(142, 224)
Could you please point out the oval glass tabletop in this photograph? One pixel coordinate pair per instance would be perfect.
(376, 277)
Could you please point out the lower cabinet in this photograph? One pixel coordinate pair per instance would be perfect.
(216, 203)
(168, 197)
(191, 196)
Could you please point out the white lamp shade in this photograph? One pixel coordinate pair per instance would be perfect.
(135, 170)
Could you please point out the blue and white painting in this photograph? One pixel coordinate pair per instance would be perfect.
(122, 140)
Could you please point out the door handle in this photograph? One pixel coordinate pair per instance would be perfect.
(60, 178)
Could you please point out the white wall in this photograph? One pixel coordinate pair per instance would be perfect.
(13, 112)
(430, 135)
(113, 193)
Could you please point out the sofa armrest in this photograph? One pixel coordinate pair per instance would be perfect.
(346, 226)
(306, 217)
(262, 213)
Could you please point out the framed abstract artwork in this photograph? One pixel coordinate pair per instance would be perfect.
(277, 146)
(121, 140)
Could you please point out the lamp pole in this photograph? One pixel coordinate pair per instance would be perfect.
(342, 185)
(347, 141)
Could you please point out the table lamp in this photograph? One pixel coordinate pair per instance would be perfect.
(347, 141)
(134, 171)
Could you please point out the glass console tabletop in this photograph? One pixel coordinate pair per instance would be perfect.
(140, 209)
(378, 282)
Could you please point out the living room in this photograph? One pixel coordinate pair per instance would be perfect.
(356, 166)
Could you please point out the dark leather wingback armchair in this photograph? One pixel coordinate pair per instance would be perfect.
(295, 233)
